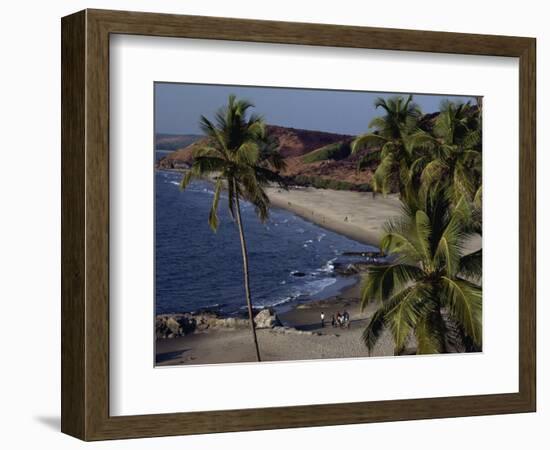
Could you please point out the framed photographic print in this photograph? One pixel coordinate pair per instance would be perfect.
(271, 225)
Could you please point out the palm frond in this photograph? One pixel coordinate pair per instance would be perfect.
(367, 141)
(247, 153)
(423, 232)
(407, 309)
(478, 197)
(381, 282)
(464, 302)
(382, 176)
(471, 266)
(451, 243)
(430, 332)
(213, 219)
(374, 329)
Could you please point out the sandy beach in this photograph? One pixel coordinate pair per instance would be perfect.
(357, 215)
(304, 338)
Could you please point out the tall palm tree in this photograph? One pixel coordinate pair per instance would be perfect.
(243, 160)
(452, 152)
(431, 288)
(388, 143)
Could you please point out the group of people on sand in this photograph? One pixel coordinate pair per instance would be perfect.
(340, 320)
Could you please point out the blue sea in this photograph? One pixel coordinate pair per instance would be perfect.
(291, 260)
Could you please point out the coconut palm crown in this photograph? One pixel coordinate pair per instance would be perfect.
(450, 156)
(429, 290)
(243, 160)
(387, 144)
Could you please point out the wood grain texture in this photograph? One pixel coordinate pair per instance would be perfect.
(73, 226)
(85, 224)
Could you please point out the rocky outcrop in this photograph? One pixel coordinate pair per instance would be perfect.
(181, 324)
(266, 318)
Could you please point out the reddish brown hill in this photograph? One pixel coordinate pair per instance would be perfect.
(293, 142)
(320, 168)
(181, 158)
(298, 142)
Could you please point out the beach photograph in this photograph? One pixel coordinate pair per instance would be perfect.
(297, 224)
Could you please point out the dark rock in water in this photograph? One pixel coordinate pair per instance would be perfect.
(365, 254)
(298, 274)
(347, 269)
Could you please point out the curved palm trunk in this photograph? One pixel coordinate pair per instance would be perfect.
(246, 277)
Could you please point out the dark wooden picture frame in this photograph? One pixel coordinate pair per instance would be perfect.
(85, 224)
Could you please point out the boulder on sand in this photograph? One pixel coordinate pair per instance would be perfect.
(266, 318)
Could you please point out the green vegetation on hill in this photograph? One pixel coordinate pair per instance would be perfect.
(328, 183)
(336, 151)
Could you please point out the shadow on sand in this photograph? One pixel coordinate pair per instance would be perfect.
(169, 356)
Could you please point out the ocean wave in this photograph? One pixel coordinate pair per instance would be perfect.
(328, 267)
(314, 287)
(309, 288)
(277, 302)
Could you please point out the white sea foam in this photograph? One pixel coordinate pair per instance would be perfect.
(328, 267)
(314, 287)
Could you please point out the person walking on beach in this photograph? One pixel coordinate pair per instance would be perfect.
(333, 322)
(346, 319)
(322, 319)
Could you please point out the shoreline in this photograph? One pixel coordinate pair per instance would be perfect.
(356, 215)
(301, 337)
(328, 209)
(359, 216)
(342, 212)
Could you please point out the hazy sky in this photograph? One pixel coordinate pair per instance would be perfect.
(178, 107)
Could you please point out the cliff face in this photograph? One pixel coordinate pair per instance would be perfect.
(315, 158)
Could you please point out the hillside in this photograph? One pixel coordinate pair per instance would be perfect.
(315, 158)
(165, 141)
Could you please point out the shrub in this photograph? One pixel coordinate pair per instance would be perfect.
(328, 183)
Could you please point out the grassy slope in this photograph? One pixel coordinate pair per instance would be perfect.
(336, 151)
